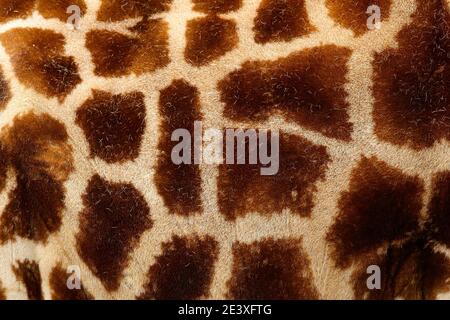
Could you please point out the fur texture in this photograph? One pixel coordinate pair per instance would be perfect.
(86, 177)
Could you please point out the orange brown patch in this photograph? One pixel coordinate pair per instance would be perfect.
(58, 8)
(179, 185)
(353, 14)
(209, 38)
(115, 54)
(412, 83)
(307, 87)
(183, 271)
(28, 273)
(114, 218)
(38, 152)
(15, 9)
(5, 94)
(21, 9)
(271, 270)
(242, 188)
(39, 62)
(59, 289)
(216, 6)
(113, 125)
(117, 10)
(281, 20)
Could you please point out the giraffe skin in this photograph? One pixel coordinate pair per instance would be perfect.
(87, 182)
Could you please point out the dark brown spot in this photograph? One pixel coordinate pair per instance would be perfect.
(412, 271)
(38, 59)
(183, 271)
(382, 206)
(307, 87)
(113, 125)
(378, 224)
(58, 8)
(116, 10)
(34, 209)
(412, 83)
(281, 20)
(41, 157)
(15, 9)
(209, 38)
(60, 290)
(216, 6)
(271, 270)
(353, 14)
(28, 273)
(115, 54)
(5, 94)
(242, 188)
(4, 163)
(114, 218)
(2, 292)
(112, 52)
(179, 185)
(439, 208)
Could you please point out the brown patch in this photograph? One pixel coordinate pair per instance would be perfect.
(271, 270)
(41, 157)
(378, 224)
(115, 54)
(381, 207)
(112, 52)
(60, 291)
(413, 271)
(38, 59)
(114, 218)
(15, 9)
(113, 125)
(58, 8)
(242, 188)
(28, 273)
(439, 208)
(117, 10)
(412, 83)
(307, 87)
(2, 292)
(183, 271)
(281, 20)
(4, 163)
(216, 6)
(352, 14)
(179, 185)
(209, 38)
(21, 9)
(5, 94)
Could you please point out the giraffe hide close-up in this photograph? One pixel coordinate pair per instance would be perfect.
(353, 97)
